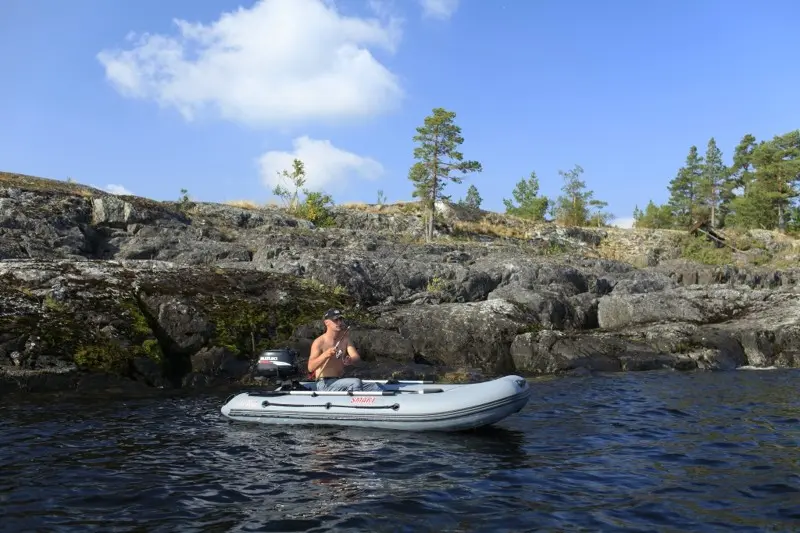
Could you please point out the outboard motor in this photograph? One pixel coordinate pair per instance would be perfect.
(279, 363)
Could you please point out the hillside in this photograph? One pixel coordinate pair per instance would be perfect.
(179, 294)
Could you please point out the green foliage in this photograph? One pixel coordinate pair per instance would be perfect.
(597, 215)
(759, 190)
(654, 217)
(243, 327)
(246, 327)
(574, 208)
(700, 249)
(713, 183)
(778, 171)
(684, 190)
(312, 284)
(754, 209)
(554, 248)
(439, 161)
(316, 205)
(152, 349)
(436, 284)
(53, 304)
(473, 199)
(295, 179)
(145, 343)
(316, 208)
(530, 204)
(184, 202)
(742, 170)
(104, 356)
(381, 197)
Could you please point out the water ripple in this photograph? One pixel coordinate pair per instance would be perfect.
(628, 452)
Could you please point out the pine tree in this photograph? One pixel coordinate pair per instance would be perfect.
(777, 165)
(572, 209)
(683, 189)
(530, 204)
(742, 168)
(713, 180)
(473, 199)
(653, 216)
(437, 159)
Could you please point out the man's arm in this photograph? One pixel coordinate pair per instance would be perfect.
(353, 356)
(317, 356)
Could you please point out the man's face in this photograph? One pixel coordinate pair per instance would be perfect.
(335, 324)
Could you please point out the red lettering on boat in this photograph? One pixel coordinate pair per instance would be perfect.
(362, 399)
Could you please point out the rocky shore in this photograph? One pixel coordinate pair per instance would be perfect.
(99, 291)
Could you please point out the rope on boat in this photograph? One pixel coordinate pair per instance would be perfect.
(393, 407)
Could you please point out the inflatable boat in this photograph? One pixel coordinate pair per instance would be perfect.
(401, 405)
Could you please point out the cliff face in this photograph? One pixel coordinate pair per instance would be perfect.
(99, 289)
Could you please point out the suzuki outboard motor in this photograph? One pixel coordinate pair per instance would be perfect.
(279, 363)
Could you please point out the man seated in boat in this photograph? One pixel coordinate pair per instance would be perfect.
(331, 352)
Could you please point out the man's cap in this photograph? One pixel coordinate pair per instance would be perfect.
(332, 314)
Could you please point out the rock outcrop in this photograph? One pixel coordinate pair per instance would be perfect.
(98, 290)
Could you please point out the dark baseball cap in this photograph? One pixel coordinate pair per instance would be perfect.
(332, 314)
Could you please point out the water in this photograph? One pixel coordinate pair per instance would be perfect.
(623, 452)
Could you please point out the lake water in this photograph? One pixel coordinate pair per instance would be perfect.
(654, 451)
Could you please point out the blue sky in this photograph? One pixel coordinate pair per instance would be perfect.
(116, 94)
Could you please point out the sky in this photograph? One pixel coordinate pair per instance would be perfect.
(217, 96)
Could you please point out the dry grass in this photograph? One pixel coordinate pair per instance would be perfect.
(33, 183)
(400, 207)
(483, 227)
(498, 225)
(243, 204)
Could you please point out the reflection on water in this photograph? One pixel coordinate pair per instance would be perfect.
(657, 451)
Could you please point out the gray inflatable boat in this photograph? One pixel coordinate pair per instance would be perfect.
(403, 405)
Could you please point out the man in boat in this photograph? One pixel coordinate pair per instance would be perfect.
(331, 352)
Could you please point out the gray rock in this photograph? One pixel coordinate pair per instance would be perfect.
(187, 293)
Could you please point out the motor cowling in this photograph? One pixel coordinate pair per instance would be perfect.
(280, 363)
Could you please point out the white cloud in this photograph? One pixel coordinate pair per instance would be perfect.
(623, 222)
(113, 188)
(327, 167)
(440, 9)
(275, 63)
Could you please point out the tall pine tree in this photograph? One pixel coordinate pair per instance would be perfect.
(438, 158)
(713, 180)
(684, 190)
(742, 168)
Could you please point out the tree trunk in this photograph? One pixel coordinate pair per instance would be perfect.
(434, 184)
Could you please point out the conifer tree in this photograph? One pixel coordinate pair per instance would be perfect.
(684, 191)
(529, 204)
(777, 165)
(742, 168)
(713, 180)
(572, 208)
(653, 216)
(438, 159)
(472, 200)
